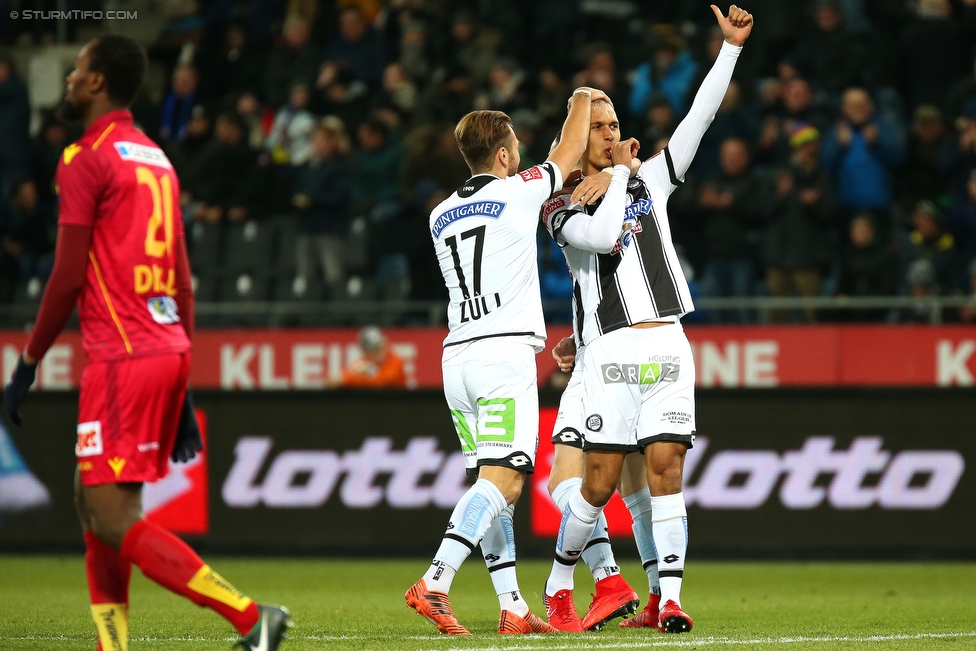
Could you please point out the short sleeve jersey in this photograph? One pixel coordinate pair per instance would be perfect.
(119, 183)
(485, 238)
(640, 279)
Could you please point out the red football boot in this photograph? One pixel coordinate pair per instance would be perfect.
(511, 624)
(672, 619)
(648, 618)
(561, 611)
(613, 598)
(435, 608)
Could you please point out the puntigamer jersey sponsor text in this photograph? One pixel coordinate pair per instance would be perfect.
(484, 236)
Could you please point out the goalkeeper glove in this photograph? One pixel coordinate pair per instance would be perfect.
(16, 390)
(188, 441)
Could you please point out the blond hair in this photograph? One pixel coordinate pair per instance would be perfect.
(480, 134)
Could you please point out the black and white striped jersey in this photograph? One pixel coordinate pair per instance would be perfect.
(485, 238)
(640, 279)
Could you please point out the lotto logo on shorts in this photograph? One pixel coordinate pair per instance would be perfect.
(89, 442)
(640, 373)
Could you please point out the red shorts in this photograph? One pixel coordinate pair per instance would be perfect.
(128, 413)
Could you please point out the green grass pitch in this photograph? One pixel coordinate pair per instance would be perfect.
(358, 604)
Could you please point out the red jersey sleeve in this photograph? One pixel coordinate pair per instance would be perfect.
(80, 186)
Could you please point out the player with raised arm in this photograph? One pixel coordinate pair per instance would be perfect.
(121, 257)
(637, 371)
(484, 235)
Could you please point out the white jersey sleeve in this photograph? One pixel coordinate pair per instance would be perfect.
(667, 168)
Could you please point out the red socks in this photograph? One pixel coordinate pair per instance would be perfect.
(108, 586)
(171, 563)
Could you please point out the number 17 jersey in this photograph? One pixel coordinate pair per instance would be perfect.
(118, 182)
(485, 238)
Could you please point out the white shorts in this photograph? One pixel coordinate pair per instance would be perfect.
(638, 388)
(492, 391)
(568, 429)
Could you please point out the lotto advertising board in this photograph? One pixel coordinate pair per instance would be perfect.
(785, 473)
(727, 357)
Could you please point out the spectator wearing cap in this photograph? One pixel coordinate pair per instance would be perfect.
(735, 204)
(797, 248)
(670, 71)
(378, 367)
(322, 198)
(868, 267)
(861, 151)
(923, 174)
(796, 106)
(358, 47)
(930, 241)
(289, 140)
(178, 104)
(922, 284)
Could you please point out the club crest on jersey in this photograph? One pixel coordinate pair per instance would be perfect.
(490, 209)
(531, 174)
(163, 310)
(137, 153)
(624, 240)
(89, 442)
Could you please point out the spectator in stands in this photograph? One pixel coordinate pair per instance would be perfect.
(930, 241)
(796, 107)
(449, 101)
(224, 179)
(470, 47)
(922, 285)
(178, 104)
(868, 267)
(14, 132)
(185, 155)
(250, 112)
(735, 203)
(967, 313)
(923, 174)
(862, 151)
(660, 120)
(378, 367)
(670, 71)
(934, 47)
(293, 60)
(229, 65)
(376, 171)
(550, 99)
(322, 198)
(358, 47)
(338, 93)
(504, 91)
(960, 156)
(46, 150)
(600, 71)
(396, 101)
(961, 94)
(414, 56)
(27, 232)
(797, 248)
(834, 56)
(290, 138)
(962, 219)
(732, 120)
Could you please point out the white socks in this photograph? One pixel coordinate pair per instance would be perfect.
(475, 512)
(639, 505)
(579, 519)
(597, 554)
(498, 547)
(670, 530)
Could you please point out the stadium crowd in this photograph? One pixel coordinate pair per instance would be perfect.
(312, 139)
